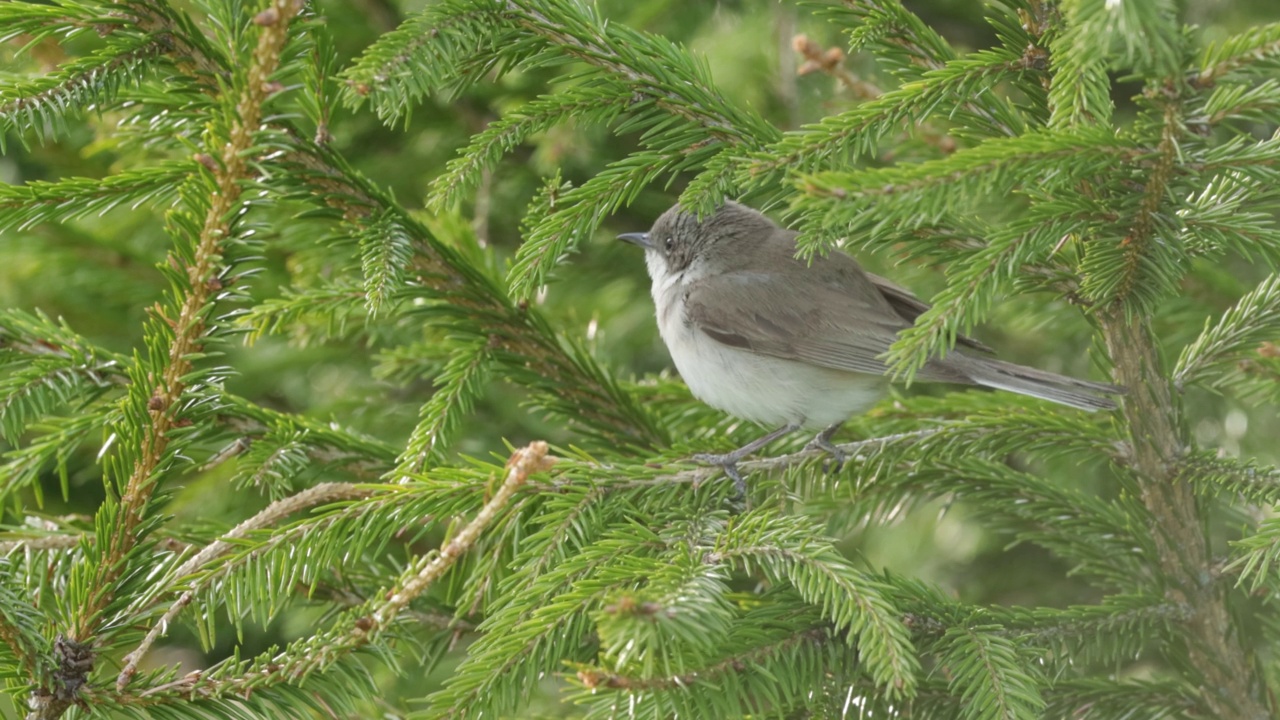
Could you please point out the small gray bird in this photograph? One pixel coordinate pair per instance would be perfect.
(767, 337)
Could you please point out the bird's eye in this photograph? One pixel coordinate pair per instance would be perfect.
(668, 243)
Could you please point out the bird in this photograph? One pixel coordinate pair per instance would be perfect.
(767, 337)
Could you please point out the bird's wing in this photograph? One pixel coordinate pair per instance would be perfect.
(845, 324)
(910, 307)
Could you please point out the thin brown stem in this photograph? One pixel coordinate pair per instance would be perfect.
(359, 631)
(272, 514)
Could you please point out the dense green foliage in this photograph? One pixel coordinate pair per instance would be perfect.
(285, 286)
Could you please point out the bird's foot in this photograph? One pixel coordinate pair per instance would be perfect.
(823, 442)
(727, 462)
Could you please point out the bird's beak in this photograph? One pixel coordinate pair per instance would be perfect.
(641, 239)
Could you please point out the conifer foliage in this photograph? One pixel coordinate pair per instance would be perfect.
(1097, 165)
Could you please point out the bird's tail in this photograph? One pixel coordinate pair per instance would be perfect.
(1082, 394)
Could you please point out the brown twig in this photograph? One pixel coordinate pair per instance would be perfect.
(272, 514)
(830, 61)
(364, 628)
(523, 463)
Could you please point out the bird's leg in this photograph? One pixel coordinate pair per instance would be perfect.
(729, 461)
(823, 442)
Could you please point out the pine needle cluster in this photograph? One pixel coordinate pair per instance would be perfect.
(1098, 166)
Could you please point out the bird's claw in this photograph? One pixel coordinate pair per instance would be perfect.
(729, 464)
(837, 455)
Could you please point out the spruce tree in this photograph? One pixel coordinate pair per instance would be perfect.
(254, 398)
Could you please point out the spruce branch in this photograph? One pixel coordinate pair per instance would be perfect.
(521, 643)
(757, 673)
(699, 475)
(57, 441)
(1231, 687)
(40, 106)
(53, 352)
(1242, 329)
(785, 549)
(986, 168)
(185, 42)
(1257, 46)
(189, 326)
(325, 441)
(651, 65)
(1114, 630)
(1213, 474)
(1144, 37)
(899, 34)
(523, 463)
(459, 385)
(332, 310)
(442, 49)
(385, 250)
(41, 21)
(24, 206)
(40, 542)
(231, 569)
(260, 690)
(20, 636)
(578, 512)
(468, 298)
(51, 381)
(716, 182)
(597, 101)
(1222, 217)
(272, 460)
(1130, 269)
(188, 331)
(1248, 157)
(1257, 103)
(1096, 537)
(348, 598)
(680, 618)
(985, 670)
(593, 678)
(579, 211)
(364, 625)
(1079, 91)
(1107, 699)
(268, 517)
(858, 131)
(1118, 628)
(51, 367)
(1018, 250)
(1256, 556)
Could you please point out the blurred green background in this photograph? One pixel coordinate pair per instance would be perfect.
(99, 274)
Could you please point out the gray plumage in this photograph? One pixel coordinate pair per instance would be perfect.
(729, 290)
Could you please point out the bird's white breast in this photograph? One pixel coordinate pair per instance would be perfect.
(760, 388)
